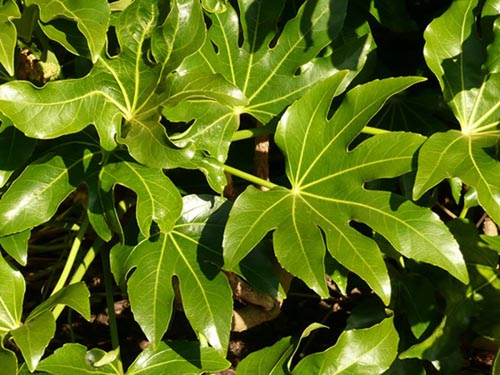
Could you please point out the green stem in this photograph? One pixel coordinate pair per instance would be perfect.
(71, 256)
(80, 271)
(252, 133)
(249, 177)
(374, 131)
(463, 214)
(110, 302)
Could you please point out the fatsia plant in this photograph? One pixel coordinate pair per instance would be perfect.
(462, 51)
(327, 193)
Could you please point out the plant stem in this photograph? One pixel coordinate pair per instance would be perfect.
(249, 177)
(110, 302)
(80, 271)
(71, 256)
(252, 133)
(374, 131)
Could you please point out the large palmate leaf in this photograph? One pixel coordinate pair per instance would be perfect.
(270, 73)
(91, 21)
(465, 66)
(363, 352)
(34, 196)
(327, 194)
(8, 34)
(129, 87)
(191, 251)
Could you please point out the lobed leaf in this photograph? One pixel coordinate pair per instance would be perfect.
(191, 252)
(327, 193)
(92, 22)
(466, 67)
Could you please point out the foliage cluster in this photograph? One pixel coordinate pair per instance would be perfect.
(126, 126)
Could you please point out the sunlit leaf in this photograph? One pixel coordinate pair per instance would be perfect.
(12, 289)
(16, 245)
(364, 351)
(34, 336)
(192, 252)
(8, 34)
(460, 59)
(327, 194)
(91, 21)
(81, 361)
(34, 196)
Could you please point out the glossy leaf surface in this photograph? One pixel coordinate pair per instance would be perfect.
(91, 20)
(8, 34)
(16, 245)
(327, 192)
(365, 351)
(12, 289)
(178, 358)
(34, 196)
(79, 360)
(191, 251)
(464, 65)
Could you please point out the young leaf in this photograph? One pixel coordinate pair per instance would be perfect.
(34, 196)
(328, 193)
(458, 56)
(40, 326)
(16, 245)
(34, 336)
(12, 288)
(365, 351)
(192, 252)
(81, 362)
(182, 358)
(8, 35)
(92, 22)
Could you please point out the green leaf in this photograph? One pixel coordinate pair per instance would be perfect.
(124, 87)
(16, 245)
(75, 296)
(192, 252)
(157, 198)
(455, 53)
(472, 158)
(462, 61)
(275, 359)
(365, 351)
(8, 34)
(92, 22)
(12, 288)
(79, 360)
(418, 302)
(34, 196)
(39, 328)
(183, 358)
(271, 360)
(15, 150)
(34, 336)
(273, 77)
(464, 303)
(8, 360)
(327, 194)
